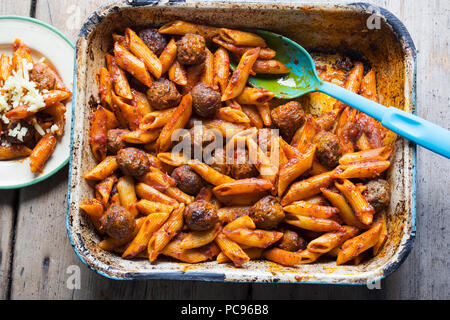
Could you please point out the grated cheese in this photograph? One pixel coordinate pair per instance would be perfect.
(18, 132)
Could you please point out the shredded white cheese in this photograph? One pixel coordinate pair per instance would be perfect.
(39, 129)
(19, 90)
(18, 132)
(54, 128)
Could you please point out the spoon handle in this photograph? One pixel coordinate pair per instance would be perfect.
(418, 130)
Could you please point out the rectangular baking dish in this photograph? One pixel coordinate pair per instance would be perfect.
(332, 27)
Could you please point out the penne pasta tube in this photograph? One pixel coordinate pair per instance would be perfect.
(149, 226)
(242, 38)
(147, 192)
(156, 119)
(103, 170)
(313, 223)
(141, 136)
(345, 211)
(128, 62)
(14, 151)
(251, 186)
(118, 78)
(295, 168)
(353, 82)
(331, 240)
(232, 250)
(97, 133)
(254, 116)
(143, 53)
(168, 56)
(265, 165)
(363, 210)
(269, 67)
(127, 194)
(290, 259)
(196, 239)
(177, 74)
(5, 68)
(41, 152)
(204, 194)
(58, 111)
(367, 169)
(209, 174)
(221, 68)
(21, 54)
(240, 75)
(140, 104)
(147, 207)
(94, 210)
(179, 27)
(378, 154)
(252, 253)
(179, 120)
(238, 51)
(253, 238)
(208, 69)
(355, 246)
(304, 208)
(307, 188)
(172, 159)
(264, 113)
(179, 195)
(255, 96)
(195, 255)
(232, 115)
(103, 189)
(241, 222)
(163, 236)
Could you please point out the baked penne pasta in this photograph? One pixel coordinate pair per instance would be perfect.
(253, 238)
(168, 56)
(142, 52)
(41, 152)
(254, 96)
(127, 194)
(118, 78)
(307, 188)
(313, 223)
(304, 208)
(179, 27)
(103, 170)
(94, 210)
(177, 74)
(197, 239)
(361, 207)
(147, 207)
(97, 133)
(241, 38)
(232, 250)
(290, 259)
(104, 84)
(221, 68)
(331, 240)
(366, 169)
(240, 75)
(378, 154)
(269, 67)
(128, 62)
(147, 192)
(14, 151)
(103, 189)
(209, 174)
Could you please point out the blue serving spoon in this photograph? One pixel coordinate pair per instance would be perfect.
(303, 78)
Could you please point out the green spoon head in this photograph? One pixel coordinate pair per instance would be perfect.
(302, 77)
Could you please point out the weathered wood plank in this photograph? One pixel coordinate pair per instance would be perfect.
(8, 197)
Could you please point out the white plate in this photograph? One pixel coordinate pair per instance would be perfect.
(43, 40)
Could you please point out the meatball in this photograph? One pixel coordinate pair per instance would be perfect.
(43, 77)
(267, 213)
(114, 140)
(328, 149)
(201, 215)
(291, 241)
(241, 168)
(191, 49)
(18, 125)
(118, 222)
(163, 94)
(205, 100)
(188, 180)
(288, 118)
(378, 194)
(133, 162)
(154, 40)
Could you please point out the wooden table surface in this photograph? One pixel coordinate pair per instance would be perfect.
(36, 258)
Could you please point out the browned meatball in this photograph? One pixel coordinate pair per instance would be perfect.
(288, 118)
(133, 162)
(163, 94)
(42, 76)
(378, 194)
(328, 149)
(291, 241)
(191, 49)
(201, 215)
(188, 180)
(242, 168)
(114, 140)
(267, 213)
(154, 40)
(205, 100)
(118, 222)
(12, 125)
